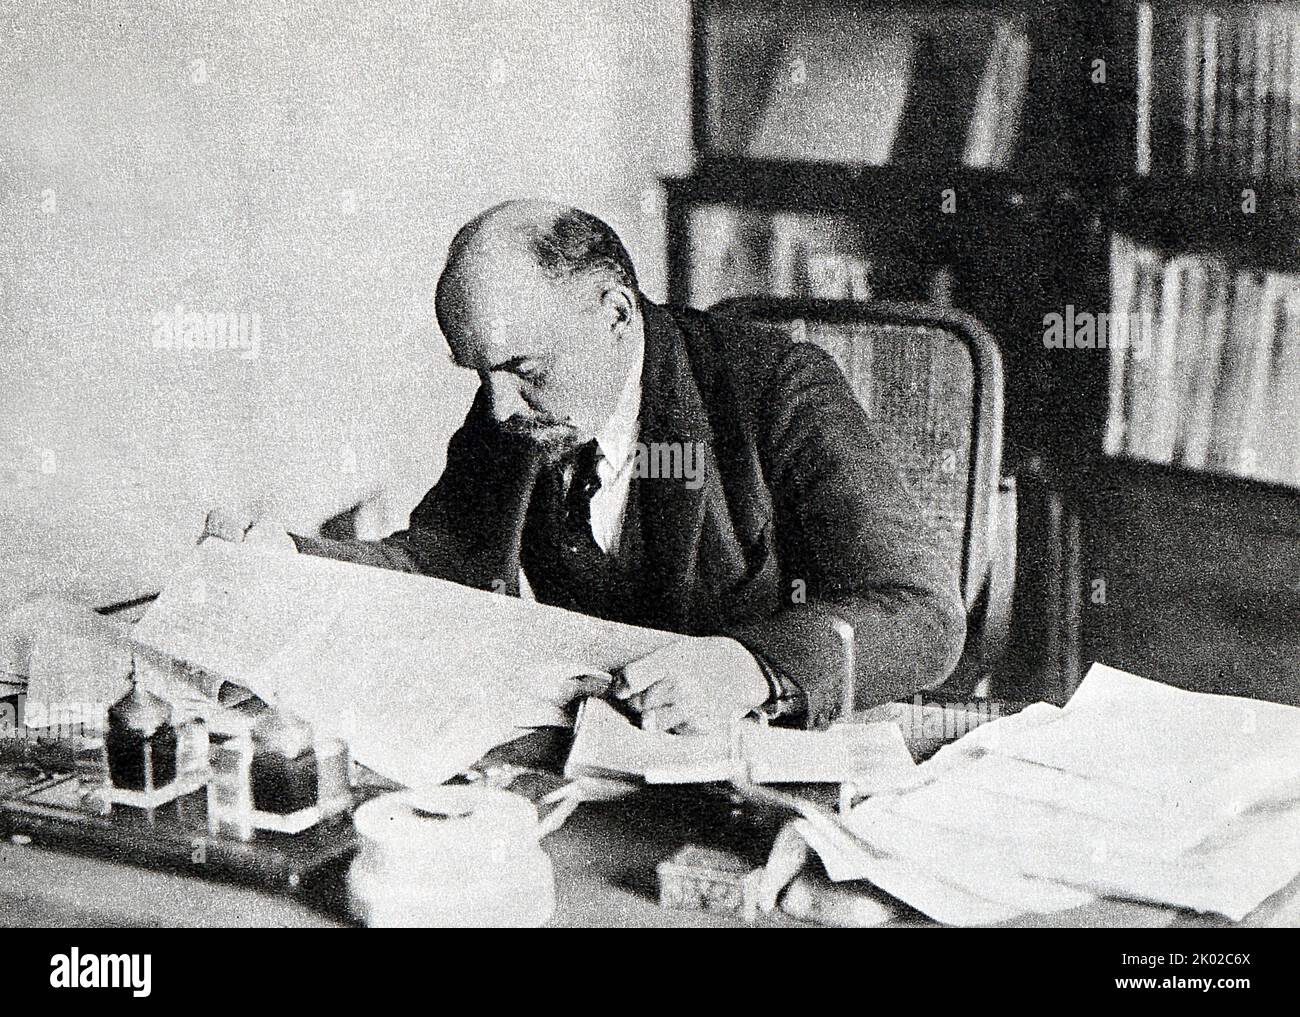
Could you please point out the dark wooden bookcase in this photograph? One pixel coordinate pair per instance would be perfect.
(1136, 565)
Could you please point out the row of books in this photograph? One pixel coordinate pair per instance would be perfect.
(1204, 363)
(1218, 90)
(870, 86)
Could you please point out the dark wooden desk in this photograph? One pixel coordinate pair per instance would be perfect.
(604, 862)
(604, 868)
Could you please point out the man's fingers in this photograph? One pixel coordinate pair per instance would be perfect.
(639, 675)
(595, 684)
(664, 718)
(226, 525)
(661, 693)
(567, 689)
(267, 534)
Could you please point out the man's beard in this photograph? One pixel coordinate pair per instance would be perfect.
(556, 438)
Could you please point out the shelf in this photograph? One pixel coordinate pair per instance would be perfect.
(1255, 503)
(826, 187)
(1204, 213)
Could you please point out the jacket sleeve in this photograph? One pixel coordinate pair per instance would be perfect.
(850, 529)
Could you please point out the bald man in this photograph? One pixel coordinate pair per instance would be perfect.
(670, 468)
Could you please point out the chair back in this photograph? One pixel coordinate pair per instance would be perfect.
(931, 379)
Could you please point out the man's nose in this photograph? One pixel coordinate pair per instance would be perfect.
(504, 397)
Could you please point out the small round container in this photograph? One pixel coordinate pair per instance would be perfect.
(450, 856)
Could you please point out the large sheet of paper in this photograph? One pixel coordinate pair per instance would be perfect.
(421, 676)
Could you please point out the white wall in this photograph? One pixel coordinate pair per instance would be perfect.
(306, 163)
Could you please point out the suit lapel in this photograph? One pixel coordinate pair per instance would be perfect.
(672, 513)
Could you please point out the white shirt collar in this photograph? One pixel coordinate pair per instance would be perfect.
(617, 438)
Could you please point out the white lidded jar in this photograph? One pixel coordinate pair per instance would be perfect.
(450, 856)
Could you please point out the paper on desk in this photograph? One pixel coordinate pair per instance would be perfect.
(605, 743)
(1209, 754)
(978, 866)
(1229, 873)
(420, 675)
(953, 878)
(846, 858)
(871, 756)
(74, 659)
(1134, 790)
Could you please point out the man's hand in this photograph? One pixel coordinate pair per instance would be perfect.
(240, 528)
(695, 685)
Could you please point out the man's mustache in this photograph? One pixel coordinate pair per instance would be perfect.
(532, 427)
(555, 437)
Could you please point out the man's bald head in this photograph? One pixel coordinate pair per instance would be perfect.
(549, 287)
(561, 242)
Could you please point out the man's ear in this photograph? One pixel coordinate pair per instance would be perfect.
(619, 305)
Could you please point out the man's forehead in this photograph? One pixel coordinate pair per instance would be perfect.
(497, 306)
(487, 281)
(505, 342)
(489, 333)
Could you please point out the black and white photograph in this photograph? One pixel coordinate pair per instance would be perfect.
(666, 463)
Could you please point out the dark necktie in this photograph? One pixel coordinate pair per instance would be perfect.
(584, 482)
(564, 564)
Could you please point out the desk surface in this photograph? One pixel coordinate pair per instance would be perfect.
(604, 866)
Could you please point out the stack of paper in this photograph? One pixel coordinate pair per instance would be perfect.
(1134, 790)
(870, 756)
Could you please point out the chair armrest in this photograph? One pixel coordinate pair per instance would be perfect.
(995, 625)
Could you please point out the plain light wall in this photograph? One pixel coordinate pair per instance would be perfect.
(306, 163)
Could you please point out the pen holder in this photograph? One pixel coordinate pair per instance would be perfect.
(279, 777)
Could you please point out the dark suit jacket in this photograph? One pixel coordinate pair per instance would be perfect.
(802, 523)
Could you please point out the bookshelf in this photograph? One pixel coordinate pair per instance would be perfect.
(1007, 158)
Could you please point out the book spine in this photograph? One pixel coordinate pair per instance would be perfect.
(1123, 272)
(1293, 102)
(1144, 88)
(1159, 443)
(1138, 377)
(1225, 104)
(1189, 355)
(1262, 94)
(1252, 451)
(1233, 394)
(1200, 413)
(1278, 101)
(1209, 87)
(1244, 92)
(787, 271)
(1286, 419)
(710, 253)
(1191, 82)
(1015, 89)
(988, 103)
